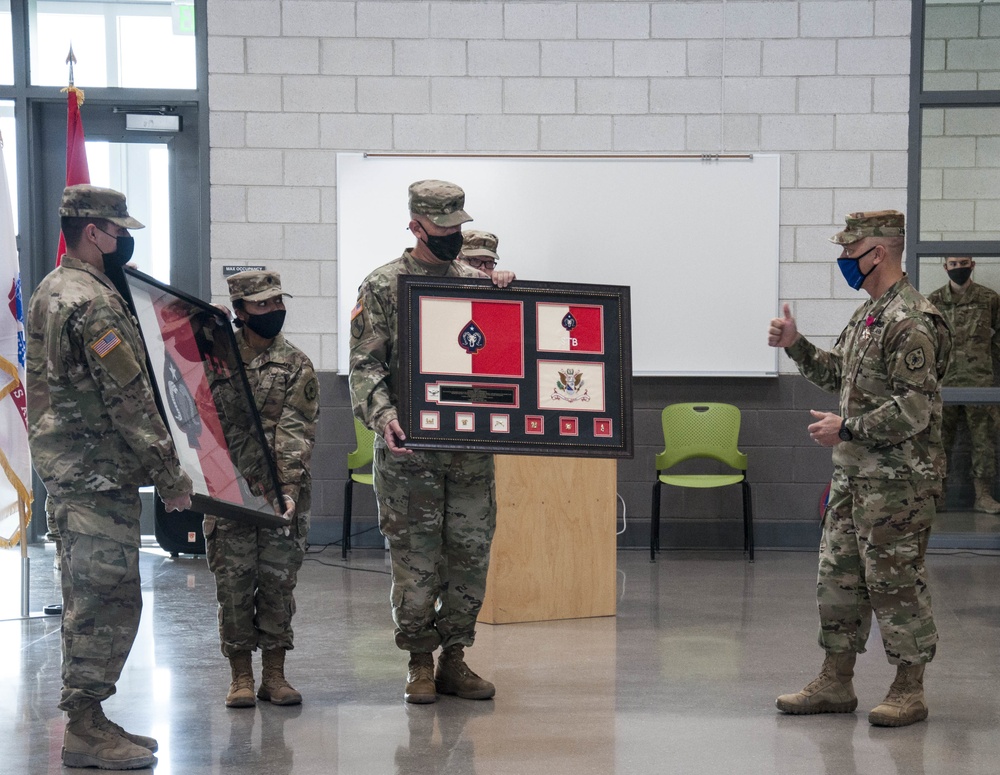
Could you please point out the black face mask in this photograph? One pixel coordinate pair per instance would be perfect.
(122, 254)
(445, 248)
(267, 325)
(960, 275)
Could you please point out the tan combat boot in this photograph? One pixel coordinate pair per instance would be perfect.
(241, 689)
(904, 704)
(420, 680)
(831, 692)
(984, 498)
(146, 742)
(454, 677)
(273, 685)
(89, 741)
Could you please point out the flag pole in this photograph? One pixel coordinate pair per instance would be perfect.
(25, 560)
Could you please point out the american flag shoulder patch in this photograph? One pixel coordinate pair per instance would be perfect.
(108, 342)
(357, 309)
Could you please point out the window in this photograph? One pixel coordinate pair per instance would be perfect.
(141, 44)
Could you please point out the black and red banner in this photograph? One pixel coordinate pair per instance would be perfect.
(206, 402)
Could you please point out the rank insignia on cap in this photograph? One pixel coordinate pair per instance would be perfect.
(108, 342)
(915, 359)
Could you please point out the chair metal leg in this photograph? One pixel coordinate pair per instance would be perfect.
(747, 519)
(345, 539)
(654, 522)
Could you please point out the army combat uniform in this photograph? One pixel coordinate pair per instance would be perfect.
(95, 437)
(437, 509)
(974, 317)
(256, 568)
(886, 366)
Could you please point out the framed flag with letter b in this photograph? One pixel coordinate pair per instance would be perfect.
(531, 369)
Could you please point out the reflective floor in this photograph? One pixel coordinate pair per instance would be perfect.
(682, 680)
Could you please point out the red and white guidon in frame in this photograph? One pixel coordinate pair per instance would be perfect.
(461, 336)
(566, 328)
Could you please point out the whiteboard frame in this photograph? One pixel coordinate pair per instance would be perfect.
(583, 218)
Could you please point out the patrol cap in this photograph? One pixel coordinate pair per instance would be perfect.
(438, 201)
(878, 223)
(87, 201)
(480, 243)
(255, 285)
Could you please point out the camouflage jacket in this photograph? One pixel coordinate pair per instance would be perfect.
(374, 354)
(286, 392)
(974, 317)
(93, 421)
(887, 366)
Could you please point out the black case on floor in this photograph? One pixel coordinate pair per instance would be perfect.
(179, 532)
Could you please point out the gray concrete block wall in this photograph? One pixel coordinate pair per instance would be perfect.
(823, 84)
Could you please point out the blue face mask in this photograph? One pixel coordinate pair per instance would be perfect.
(851, 269)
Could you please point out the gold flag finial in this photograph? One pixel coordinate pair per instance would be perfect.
(71, 60)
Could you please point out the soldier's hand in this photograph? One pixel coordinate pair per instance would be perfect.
(395, 438)
(180, 503)
(289, 513)
(783, 332)
(826, 430)
(502, 277)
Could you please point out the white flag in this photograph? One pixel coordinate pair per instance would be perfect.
(15, 460)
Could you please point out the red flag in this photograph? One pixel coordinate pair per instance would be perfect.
(77, 170)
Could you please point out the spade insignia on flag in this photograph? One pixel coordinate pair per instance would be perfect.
(472, 339)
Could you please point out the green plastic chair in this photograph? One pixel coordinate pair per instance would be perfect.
(359, 458)
(692, 431)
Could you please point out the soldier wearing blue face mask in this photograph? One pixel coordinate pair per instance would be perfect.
(887, 367)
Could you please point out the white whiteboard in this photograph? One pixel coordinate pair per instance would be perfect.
(696, 240)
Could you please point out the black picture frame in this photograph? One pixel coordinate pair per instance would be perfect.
(206, 401)
(531, 369)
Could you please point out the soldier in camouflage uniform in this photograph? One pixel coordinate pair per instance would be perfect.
(973, 312)
(888, 465)
(95, 437)
(437, 509)
(479, 250)
(256, 568)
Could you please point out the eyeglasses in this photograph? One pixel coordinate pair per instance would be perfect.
(481, 263)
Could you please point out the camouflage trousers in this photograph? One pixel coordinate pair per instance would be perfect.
(102, 598)
(256, 569)
(871, 558)
(982, 436)
(438, 511)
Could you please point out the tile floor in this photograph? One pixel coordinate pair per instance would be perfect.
(682, 680)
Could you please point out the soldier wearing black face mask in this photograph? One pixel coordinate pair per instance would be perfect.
(437, 509)
(973, 311)
(256, 568)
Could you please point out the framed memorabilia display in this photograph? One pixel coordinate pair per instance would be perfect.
(206, 402)
(531, 369)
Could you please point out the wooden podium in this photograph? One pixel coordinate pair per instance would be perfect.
(553, 554)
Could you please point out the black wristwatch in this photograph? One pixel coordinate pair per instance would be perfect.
(845, 432)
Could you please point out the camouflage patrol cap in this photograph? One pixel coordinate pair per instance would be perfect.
(878, 223)
(254, 285)
(439, 201)
(480, 243)
(87, 201)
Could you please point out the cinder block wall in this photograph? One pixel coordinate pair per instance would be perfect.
(825, 84)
